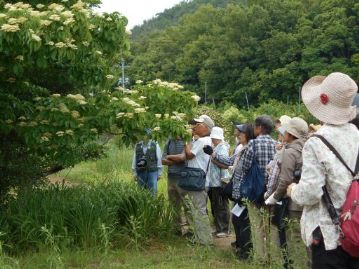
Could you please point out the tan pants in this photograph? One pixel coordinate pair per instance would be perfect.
(175, 199)
(195, 203)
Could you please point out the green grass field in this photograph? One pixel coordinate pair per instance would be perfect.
(156, 252)
(173, 252)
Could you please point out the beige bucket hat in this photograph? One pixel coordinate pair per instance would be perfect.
(330, 98)
(297, 127)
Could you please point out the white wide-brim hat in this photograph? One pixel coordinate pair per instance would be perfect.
(217, 133)
(330, 98)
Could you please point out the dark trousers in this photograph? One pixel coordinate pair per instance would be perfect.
(242, 229)
(332, 259)
(219, 207)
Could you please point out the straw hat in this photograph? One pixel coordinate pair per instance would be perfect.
(329, 98)
(217, 133)
(296, 127)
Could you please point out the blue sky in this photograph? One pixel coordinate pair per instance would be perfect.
(137, 11)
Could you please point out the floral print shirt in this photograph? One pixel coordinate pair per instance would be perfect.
(321, 167)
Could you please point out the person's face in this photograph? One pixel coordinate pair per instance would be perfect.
(243, 139)
(146, 138)
(257, 130)
(200, 129)
(236, 133)
(280, 137)
(215, 141)
(277, 125)
(288, 138)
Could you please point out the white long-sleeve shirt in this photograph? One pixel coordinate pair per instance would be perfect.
(158, 156)
(321, 167)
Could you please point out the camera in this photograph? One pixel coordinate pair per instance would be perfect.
(297, 174)
(141, 163)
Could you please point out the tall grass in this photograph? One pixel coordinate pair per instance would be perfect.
(115, 167)
(84, 216)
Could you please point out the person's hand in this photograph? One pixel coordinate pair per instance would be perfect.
(135, 178)
(279, 146)
(208, 149)
(289, 189)
(271, 200)
(158, 178)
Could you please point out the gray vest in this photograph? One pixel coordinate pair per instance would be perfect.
(150, 157)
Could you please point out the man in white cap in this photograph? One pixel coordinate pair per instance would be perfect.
(196, 158)
(329, 99)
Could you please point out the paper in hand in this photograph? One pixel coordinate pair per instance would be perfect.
(237, 210)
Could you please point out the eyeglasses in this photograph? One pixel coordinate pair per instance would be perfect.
(198, 124)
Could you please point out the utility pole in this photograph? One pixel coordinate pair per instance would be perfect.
(205, 92)
(299, 100)
(247, 100)
(123, 72)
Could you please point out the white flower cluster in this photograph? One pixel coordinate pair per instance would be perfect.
(140, 110)
(196, 98)
(10, 28)
(17, 6)
(178, 116)
(130, 102)
(172, 85)
(68, 44)
(13, 24)
(128, 115)
(78, 98)
(56, 7)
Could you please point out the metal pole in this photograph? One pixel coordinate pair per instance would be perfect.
(299, 97)
(123, 72)
(247, 100)
(205, 92)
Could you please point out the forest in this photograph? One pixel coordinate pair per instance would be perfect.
(259, 49)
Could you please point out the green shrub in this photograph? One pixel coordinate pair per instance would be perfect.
(85, 217)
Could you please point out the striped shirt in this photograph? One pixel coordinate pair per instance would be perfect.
(174, 147)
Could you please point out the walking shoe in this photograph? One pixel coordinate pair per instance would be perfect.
(221, 235)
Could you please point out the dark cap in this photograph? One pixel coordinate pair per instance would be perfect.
(242, 128)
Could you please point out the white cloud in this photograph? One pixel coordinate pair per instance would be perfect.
(137, 11)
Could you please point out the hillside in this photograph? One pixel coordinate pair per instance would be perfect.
(258, 51)
(170, 17)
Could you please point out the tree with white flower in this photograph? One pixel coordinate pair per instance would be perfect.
(58, 70)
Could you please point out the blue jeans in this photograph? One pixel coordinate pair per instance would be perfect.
(148, 180)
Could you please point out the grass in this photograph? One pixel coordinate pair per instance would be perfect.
(174, 254)
(91, 236)
(115, 167)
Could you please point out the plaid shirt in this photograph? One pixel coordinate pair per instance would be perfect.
(265, 150)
